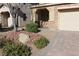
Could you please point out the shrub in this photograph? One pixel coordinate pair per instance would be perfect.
(12, 49)
(32, 27)
(41, 43)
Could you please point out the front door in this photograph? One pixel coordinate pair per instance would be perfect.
(4, 17)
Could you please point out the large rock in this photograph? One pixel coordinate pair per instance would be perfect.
(23, 38)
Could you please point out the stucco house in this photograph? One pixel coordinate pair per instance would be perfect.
(24, 15)
(60, 16)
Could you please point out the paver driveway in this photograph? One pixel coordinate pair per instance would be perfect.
(62, 43)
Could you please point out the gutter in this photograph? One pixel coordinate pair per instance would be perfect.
(47, 5)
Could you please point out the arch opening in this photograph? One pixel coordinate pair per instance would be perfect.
(42, 16)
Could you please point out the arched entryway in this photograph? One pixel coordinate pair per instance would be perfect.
(42, 16)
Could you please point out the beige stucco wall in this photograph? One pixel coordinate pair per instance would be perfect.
(51, 14)
(33, 15)
(52, 23)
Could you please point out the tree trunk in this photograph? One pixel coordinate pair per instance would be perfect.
(13, 16)
(14, 24)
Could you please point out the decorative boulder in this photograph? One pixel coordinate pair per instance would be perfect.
(23, 38)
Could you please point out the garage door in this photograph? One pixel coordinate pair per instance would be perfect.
(68, 20)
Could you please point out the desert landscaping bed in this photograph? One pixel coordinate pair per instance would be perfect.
(14, 36)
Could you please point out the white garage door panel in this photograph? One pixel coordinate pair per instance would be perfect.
(69, 21)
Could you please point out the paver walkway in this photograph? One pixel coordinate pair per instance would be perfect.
(62, 43)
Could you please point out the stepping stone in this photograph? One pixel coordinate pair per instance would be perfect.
(23, 38)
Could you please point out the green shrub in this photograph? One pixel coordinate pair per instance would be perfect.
(12, 49)
(32, 27)
(41, 43)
